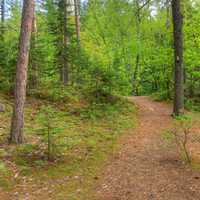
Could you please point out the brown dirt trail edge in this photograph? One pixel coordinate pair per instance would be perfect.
(143, 169)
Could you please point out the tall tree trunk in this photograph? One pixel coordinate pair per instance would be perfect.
(2, 18)
(78, 39)
(16, 133)
(77, 20)
(65, 46)
(137, 63)
(178, 57)
(2, 33)
(33, 59)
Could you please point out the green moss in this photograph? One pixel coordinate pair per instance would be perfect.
(84, 144)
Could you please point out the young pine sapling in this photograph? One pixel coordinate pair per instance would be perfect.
(50, 127)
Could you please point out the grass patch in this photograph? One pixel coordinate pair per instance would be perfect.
(89, 134)
(5, 177)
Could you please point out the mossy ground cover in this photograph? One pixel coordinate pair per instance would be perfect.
(88, 134)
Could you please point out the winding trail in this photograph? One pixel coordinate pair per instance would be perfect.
(144, 168)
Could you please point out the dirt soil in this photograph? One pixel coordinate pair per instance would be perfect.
(144, 169)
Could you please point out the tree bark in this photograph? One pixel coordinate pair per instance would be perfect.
(178, 57)
(33, 84)
(2, 33)
(16, 133)
(77, 20)
(65, 46)
(2, 17)
(135, 77)
(137, 63)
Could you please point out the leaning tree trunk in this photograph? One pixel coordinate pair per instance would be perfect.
(178, 55)
(16, 134)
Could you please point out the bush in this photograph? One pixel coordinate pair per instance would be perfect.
(105, 109)
(56, 94)
(161, 96)
(190, 104)
(180, 134)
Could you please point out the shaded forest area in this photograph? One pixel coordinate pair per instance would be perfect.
(66, 68)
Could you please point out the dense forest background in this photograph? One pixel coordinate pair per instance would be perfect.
(124, 47)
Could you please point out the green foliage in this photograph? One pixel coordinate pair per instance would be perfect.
(183, 122)
(26, 149)
(107, 107)
(5, 175)
(161, 96)
(3, 169)
(105, 62)
(192, 104)
(49, 129)
(81, 145)
(57, 93)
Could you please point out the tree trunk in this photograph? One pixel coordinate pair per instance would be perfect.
(135, 77)
(65, 60)
(2, 17)
(178, 57)
(16, 133)
(2, 33)
(33, 59)
(77, 20)
(137, 64)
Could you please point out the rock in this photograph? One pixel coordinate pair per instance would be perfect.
(2, 108)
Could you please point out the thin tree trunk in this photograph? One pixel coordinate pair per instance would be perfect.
(135, 81)
(191, 87)
(178, 57)
(77, 20)
(16, 133)
(2, 33)
(65, 60)
(137, 64)
(78, 31)
(33, 60)
(2, 18)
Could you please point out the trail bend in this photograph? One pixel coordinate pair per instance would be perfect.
(144, 169)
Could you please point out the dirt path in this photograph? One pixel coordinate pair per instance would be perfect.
(144, 169)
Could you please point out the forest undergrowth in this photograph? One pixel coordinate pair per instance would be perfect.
(83, 134)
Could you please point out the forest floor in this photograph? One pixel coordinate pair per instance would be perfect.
(146, 167)
(86, 135)
(100, 163)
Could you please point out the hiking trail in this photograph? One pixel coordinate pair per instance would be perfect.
(144, 169)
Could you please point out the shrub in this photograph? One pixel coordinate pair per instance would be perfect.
(180, 134)
(190, 104)
(161, 96)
